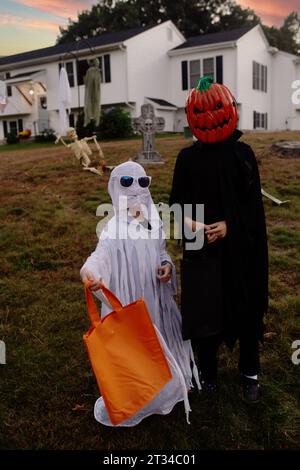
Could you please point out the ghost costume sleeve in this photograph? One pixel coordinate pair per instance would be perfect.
(166, 258)
(99, 265)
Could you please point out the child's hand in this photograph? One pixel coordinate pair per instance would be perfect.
(194, 225)
(215, 231)
(164, 272)
(94, 285)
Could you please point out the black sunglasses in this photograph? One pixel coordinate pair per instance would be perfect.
(144, 181)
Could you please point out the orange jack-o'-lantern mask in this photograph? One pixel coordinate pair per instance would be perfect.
(211, 111)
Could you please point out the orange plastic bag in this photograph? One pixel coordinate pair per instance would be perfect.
(126, 356)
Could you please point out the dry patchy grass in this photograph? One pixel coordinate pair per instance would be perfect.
(47, 230)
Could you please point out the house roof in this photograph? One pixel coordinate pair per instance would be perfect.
(26, 74)
(162, 102)
(60, 49)
(213, 38)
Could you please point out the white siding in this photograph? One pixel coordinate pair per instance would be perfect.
(284, 113)
(178, 96)
(149, 73)
(252, 47)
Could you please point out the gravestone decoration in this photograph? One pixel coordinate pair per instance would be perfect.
(147, 124)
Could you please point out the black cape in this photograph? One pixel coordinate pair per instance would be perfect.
(225, 177)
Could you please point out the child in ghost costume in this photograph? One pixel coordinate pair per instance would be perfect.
(131, 260)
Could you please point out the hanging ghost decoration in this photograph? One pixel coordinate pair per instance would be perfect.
(92, 81)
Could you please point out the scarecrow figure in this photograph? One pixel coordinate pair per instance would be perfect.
(82, 151)
(132, 261)
(225, 283)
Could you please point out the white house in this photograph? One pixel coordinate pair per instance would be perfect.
(154, 65)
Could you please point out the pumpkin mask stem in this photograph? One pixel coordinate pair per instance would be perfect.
(205, 83)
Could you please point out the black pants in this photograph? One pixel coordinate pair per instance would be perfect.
(207, 350)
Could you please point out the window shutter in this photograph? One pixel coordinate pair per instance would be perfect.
(219, 68)
(254, 120)
(107, 74)
(5, 128)
(266, 121)
(70, 73)
(20, 125)
(266, 78)
(184, 74)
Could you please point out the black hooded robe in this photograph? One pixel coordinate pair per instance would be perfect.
(225, 177)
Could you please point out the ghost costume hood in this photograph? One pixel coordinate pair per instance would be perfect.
(134, 196)
(127, 258)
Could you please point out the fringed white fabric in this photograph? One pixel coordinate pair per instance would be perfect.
(129, 268)
(64, 97)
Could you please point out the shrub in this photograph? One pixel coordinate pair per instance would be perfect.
(84, 131)
(48, 135)
(115, 123)
(12, 138)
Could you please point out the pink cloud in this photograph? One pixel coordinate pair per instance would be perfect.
(28, 23)
(272, 12)
(64, 8)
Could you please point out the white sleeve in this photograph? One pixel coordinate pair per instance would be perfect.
(164, 256)
(99, 264)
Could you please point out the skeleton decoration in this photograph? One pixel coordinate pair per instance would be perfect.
(147, 124)
(127, 258)
(82, 151)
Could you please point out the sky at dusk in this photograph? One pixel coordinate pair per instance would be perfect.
(32, 24)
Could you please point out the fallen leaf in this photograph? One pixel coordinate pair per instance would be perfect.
(78, 408)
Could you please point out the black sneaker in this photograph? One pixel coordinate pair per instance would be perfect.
(209, 387)
(251, 390)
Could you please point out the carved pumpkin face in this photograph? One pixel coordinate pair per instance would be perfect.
(211, 111)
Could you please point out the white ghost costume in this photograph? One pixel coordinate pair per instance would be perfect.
(127, 259)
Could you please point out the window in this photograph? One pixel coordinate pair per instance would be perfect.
(82, 67)
(260, 120)
(107, 74)
(43, 102)
(184, 75)
(70, 72)
(72, 120)
(209, 67)
(191, 71)
(69, 66)
(13, 127)
(259, 77)
(195, 73)
(5, 128)
(8, 87)
(219, 69)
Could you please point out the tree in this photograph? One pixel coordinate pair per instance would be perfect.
(286, 38)
(192, 17)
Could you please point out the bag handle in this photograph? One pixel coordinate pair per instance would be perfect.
(91, 305)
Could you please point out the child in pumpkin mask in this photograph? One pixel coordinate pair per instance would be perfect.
(228, 277)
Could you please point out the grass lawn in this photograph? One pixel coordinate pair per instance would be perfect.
(47, 389)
